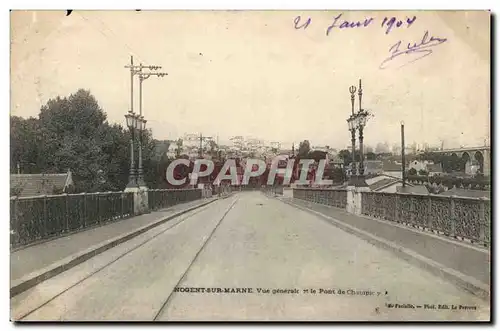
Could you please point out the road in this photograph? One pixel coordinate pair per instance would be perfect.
(246, 241)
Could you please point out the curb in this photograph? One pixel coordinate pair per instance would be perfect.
(463, 281)
(26, 282)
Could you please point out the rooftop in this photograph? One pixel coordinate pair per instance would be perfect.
(39, 184)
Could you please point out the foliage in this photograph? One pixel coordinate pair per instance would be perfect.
(72, 133)
(451, 181)
(345, 155)
(449, 163)
(423, 172)
(412, 172)
(316, 155)
(304, 149)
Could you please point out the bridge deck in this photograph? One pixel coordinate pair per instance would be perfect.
(29, 259)
(246, 241)
(463, 257)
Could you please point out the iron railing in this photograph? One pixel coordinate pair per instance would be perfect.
(327, 196)
(457, 217)
(37, 218)
(269, 189)
(163, 198)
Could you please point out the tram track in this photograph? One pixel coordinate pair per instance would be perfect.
(93, 273)
(183, 277)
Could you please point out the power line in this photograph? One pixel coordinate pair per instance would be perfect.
(100, 30)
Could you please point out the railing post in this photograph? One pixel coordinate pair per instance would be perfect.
(396, 210)
(84, 210)
(452, 216)
(122, 198)
(482, 221)
(429, 211)
(384, 208)
(99, 216)
(412, 211)
(67, 211)
(45, 230)
(17, 228)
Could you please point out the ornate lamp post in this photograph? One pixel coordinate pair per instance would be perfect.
(131, 119)
(362, 117)
(357, 121)
(351, 121)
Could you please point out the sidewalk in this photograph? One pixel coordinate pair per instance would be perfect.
(467, 259)
(36, 257)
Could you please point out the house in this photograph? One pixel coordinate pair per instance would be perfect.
(28, 185)
(418, 165)
(434, 169)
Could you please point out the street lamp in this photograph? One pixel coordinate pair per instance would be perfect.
(351, 121)
(362, 117)
(131, 120)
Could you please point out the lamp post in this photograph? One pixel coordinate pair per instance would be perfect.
(362, 118)
(351, 121)
(131, 119)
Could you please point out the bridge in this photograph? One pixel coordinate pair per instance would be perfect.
(274, 254)
(480, 154)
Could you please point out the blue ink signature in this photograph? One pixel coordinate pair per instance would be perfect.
(422, 49)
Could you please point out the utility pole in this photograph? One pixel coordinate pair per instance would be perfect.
(403, 151)
(138, 70)
(202, 138)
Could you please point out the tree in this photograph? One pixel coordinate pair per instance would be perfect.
(423, 172)
(178, 150)
(412, 172)
(317, 155)
(24, 144)
(304, 149)
(345, 155)
(71, 133)
(213, 148)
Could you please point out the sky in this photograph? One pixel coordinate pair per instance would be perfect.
(258, 73)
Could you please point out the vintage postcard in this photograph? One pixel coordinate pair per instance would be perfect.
(250, 166)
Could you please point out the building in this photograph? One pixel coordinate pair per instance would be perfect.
(29, 185)
(434, 169)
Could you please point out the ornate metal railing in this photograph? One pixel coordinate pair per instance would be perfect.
(42, 217)
(327, 196)
(163, 198)
(458, 217)
(269, 189)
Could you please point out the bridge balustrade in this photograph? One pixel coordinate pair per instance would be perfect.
(163, 198)
(269, 189)
(327, 196)
(457, 217)
(37, 218)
